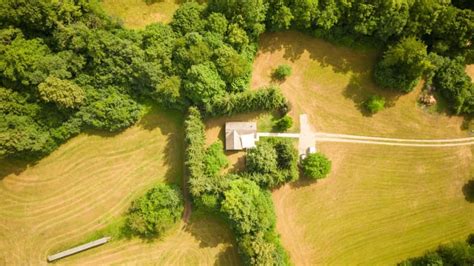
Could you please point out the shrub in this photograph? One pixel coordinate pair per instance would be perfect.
(374, 104)
(402, 65)
(455, 86)
(215, 159)
(113, 112)
(455, 253)
(284, 123)
(195, 140)
(316, 166)
(282, 72)
(248, 207)
(155, 212)
(262, 159)
(272, 163)
(267, 99)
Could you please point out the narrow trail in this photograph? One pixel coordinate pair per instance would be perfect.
(355, 137)
(329, 137)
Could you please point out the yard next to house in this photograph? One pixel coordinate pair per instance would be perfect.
(380, 204)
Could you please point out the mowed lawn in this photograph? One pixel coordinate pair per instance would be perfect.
(136, 14)
(329, 83)
(380, 204)
(88, 183)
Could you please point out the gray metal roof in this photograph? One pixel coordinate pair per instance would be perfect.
(233, 131)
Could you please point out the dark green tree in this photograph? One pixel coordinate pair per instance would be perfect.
(203, 83)
(63, 93)
(154, 213)
(262, 159)
(248, 207)
(456, 86)
(402, 65)
(316, 166)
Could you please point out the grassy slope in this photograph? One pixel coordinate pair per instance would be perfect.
(137, 14)
(380, 204)
(89, 182)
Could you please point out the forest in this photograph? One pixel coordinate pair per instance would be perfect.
(66, 66)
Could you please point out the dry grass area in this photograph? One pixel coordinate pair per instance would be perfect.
(329, 83)
(380, 204)
(204, 241)
(470, 71)
(136, 14)
(87, 184)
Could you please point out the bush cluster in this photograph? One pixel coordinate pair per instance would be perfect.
(247, 206)
(316, 165)
(155, 212)
(455, 253)
(284, 123)
(272, 163)
(282, 72)
(374, 104)
(265, 99)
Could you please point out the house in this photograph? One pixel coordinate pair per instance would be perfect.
(240, 135)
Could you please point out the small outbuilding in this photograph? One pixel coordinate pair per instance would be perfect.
(240, 135)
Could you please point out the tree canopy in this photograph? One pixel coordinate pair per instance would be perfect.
(155, 212)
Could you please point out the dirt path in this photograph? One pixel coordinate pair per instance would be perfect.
(329, 137)
(308, 138)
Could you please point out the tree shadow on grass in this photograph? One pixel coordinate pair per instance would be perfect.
(468, 191)
(14, 166)
(209, 229)
(294, 44)
(360, 88)
(225, 257)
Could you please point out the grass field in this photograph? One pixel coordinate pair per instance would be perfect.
(380, 204)
(87, 184)
(329, 83)
(137, 14)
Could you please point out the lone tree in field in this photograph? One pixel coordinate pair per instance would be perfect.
(155, 212)
(316, 166)
(374, 104)
(282, 72)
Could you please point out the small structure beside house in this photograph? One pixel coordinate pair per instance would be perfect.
(240, 135)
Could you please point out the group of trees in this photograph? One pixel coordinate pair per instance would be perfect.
(155, 212)
(316, 165)
(456, 253)
(414, 32)
(238, 197)
(71, 67)
(272, 163)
